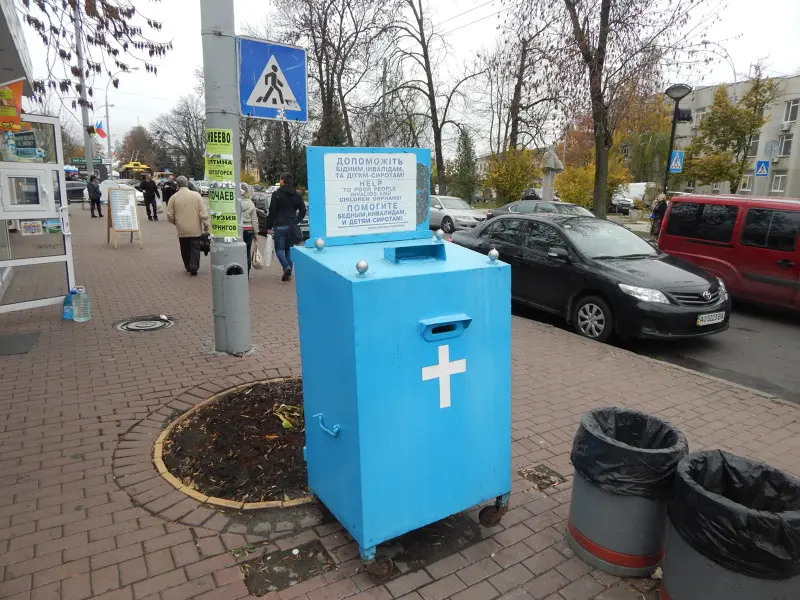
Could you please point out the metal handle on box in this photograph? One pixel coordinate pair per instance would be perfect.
(443, 328)
(334, 432)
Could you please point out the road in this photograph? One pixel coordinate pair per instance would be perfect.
(761, 350)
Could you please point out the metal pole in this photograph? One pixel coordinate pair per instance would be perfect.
(108, 130)
(230, 292)
(671, 142)
(88, 151)
(384, 124)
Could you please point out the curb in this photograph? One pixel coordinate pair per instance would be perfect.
(158, 461)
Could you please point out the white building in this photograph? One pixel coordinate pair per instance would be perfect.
(777, 134)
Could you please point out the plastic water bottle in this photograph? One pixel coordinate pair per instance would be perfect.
(81, 306)
(67, 309)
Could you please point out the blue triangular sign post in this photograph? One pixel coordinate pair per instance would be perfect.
(676, 162)
(762, 168)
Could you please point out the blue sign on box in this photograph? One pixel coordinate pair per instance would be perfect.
(273, 80)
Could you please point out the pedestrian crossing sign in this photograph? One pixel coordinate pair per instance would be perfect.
(762, 168)
(676, 162)
(273, 80)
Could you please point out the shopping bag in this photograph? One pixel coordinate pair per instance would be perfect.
(257, 261)
(269, 250)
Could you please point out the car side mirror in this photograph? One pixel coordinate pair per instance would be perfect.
(558, 253)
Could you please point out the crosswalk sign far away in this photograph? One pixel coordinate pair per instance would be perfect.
(762, 168)
(273, 80)
(676, 162)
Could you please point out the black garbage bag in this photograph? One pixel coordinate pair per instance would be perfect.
(739, 513)
(628, 452)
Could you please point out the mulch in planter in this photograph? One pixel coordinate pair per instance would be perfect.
(247, 446)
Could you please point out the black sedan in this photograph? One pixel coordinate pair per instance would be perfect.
(531, 206)
(601, 277)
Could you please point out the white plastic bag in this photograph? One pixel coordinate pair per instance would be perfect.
(269, 250)
(257, 261)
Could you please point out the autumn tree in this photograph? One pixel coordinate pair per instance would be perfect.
(720, 151)
(607, 48)
(138, 145)
(575, 183)
(511, 172)
(463, 173)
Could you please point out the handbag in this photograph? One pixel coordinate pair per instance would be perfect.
(257, 261)
(205, 243)
(295, 235)
(269, 250)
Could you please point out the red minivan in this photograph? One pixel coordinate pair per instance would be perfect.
(751, 243)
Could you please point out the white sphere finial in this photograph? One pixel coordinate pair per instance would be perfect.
(439, 235)
(362, 266)
(493, 254)
(319, 243)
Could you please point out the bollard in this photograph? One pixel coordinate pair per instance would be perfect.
(624, 467)
(733, 531)
(231, 299)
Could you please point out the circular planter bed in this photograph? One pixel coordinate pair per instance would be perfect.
(242, 446)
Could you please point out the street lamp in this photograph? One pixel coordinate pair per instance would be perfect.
(108, 123)
(677, 92)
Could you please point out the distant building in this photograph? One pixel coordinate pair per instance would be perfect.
(783, 177)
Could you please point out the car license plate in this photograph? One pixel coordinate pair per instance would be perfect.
(710, 318)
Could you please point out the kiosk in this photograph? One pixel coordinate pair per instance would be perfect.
(406, 354)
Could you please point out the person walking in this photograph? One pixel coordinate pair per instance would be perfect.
(659, 209)
(149, 190)
(188, 212)
(249, 222)
(286, 210)
(95, 194)
(168, 189)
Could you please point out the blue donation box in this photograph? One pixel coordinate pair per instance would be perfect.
(406, 350)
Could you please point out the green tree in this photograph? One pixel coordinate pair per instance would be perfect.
(511, 172)
(464, 174)
(720, 152)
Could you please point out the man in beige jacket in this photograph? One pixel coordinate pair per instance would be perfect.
(187, 211)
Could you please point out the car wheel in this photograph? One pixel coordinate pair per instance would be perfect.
(593, 319)
(447, 225)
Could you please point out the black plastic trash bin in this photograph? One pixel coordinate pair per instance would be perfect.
(625, 465)
(733, 531)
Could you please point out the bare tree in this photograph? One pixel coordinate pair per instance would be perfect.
(113, 38)
(181, 132)
(606, 48)
(344, 39)
(424, 48)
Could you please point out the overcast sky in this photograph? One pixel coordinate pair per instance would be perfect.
(749, 31)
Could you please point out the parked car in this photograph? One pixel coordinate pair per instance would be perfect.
(75, 191)
(621, 204)
(539, 206)
(601, 277)
(450, 214)
(751, 243)
(124, 184)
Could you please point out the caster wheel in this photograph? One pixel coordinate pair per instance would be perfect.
(381, 570)
(490, 516)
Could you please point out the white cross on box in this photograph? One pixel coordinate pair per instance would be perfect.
(442, 372)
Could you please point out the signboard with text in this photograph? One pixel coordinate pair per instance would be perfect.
(359, 195)
(220, 171)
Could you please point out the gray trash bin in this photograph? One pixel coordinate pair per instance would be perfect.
(625, 464)
(733, 531)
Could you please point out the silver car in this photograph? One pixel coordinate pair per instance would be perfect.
(451, 214)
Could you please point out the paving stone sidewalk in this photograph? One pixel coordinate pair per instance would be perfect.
(83, 514)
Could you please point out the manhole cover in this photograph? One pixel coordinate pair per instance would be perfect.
(542, 476)
(151, 323)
